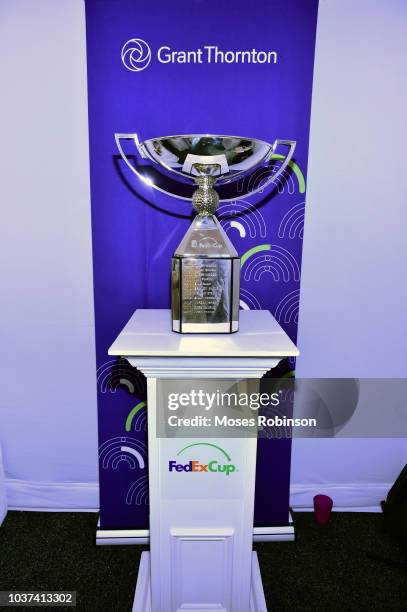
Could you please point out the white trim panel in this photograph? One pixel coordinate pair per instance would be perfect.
(347, 497)
(52, 496)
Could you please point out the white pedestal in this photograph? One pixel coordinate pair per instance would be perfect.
(201, 527)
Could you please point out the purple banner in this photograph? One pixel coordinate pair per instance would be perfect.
(163, 68)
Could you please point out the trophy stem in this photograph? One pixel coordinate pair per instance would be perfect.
(205, 200)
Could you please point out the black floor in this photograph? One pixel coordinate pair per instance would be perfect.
(327, 568)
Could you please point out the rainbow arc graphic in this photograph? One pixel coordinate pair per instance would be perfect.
(123, 449)
(137, 418)
(272, 259)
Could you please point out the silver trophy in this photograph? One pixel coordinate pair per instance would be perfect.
(205, 279)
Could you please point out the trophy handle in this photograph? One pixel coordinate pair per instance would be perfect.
(287, 143)
(144, 154)
(134, 138)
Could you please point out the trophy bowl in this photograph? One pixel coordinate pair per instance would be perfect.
(205, 276)
(229, 156)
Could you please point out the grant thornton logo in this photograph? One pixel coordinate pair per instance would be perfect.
(136, 54)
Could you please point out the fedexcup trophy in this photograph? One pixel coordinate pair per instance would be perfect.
(205, 279)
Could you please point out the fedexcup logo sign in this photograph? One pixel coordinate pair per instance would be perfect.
(221, 464)
(136, 55)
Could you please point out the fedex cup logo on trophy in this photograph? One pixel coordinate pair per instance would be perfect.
(136, 55)
(221, 464)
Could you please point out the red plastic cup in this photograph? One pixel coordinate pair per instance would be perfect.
(322, 509)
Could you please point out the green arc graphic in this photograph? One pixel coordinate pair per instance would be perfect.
(132, 413)
(296, 169)
(250, 252)
(206, 444)
(289, 374)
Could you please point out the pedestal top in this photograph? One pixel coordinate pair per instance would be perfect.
(148, 334)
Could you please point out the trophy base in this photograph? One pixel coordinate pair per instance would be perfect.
(205, 295)
(205, 328)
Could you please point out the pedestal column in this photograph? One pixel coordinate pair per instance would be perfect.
(201, 524)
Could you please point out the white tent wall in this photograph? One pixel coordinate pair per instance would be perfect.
(352, 319)
(353, 264)
(48, 395)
